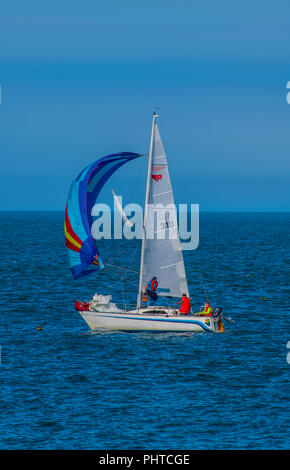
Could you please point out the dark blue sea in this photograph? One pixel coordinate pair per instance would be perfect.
(65, 387)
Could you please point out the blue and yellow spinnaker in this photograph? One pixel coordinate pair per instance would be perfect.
(83, 252)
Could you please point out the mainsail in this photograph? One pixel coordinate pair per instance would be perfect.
(161, 257)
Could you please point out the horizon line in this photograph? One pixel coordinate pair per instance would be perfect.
(200, 211)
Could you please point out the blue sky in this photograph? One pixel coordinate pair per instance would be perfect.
(81, 79)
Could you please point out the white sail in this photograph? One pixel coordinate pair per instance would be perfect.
(161, 257)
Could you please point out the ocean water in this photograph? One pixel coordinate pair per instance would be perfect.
(65, 387)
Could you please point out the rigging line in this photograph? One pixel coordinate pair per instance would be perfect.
(202, 283)
(124, 276)
(121, 269)
(134, 251)
(117, 269)
(117, 282)
(123, 293)
(120, 279)
(137, 179)
(130, 200)
(141, 169)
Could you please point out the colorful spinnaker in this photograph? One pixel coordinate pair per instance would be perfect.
(81, 246)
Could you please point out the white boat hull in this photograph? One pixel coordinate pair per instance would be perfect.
(144, 321)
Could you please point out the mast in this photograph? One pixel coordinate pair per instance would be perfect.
(145, 211)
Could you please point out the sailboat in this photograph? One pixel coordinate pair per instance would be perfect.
(160, 257)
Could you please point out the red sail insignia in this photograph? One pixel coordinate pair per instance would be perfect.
(157, 177)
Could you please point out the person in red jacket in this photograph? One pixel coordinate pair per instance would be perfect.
(151, 289)
(185, 305)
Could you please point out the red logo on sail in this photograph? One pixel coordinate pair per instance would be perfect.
(157, 177)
